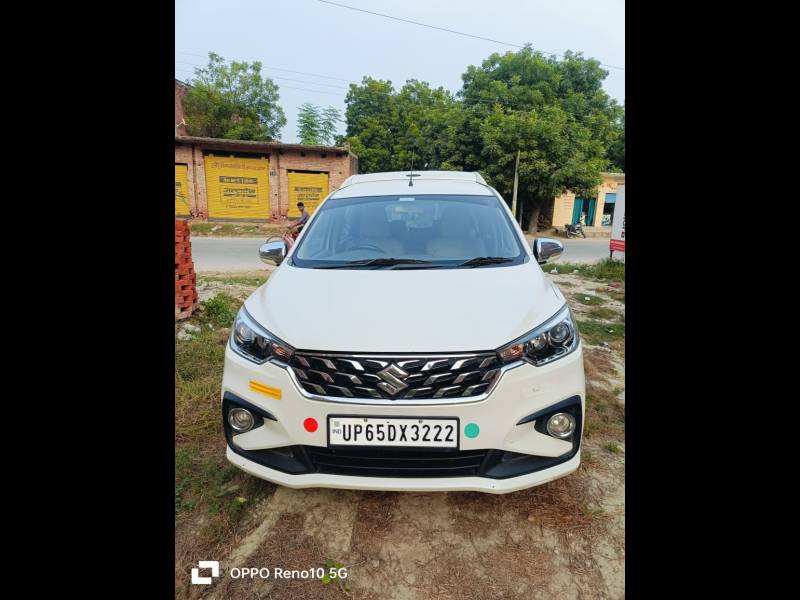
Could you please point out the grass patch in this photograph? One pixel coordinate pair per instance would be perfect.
(606, 269)
(612, 447)
(588, 299)
(249, 280)
(604, 414)
(210, 493)
(220, 310)
(609, 269)
(236, 229)
(198, 375)
(201, 478)
(601, 312)
(596, 332)
(597, 365)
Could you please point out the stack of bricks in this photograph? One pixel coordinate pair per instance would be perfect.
(185, 278)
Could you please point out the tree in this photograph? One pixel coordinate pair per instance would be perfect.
(386, 127)
(308, 124)
(555, 113)
(329, 121)
(316, 125)
(616, 151)
(233, 102)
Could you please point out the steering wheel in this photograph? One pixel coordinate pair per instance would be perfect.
(369, 247)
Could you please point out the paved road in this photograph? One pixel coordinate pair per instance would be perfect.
(241, 254)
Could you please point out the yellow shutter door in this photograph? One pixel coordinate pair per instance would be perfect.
(237, 188)
(308, 188)
(182, 191)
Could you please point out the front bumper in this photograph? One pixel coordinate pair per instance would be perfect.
(521, 392)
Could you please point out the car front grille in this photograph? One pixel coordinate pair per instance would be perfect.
(396, 377)
(388, 462)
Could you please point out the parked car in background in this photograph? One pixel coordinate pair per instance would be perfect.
(409, 340)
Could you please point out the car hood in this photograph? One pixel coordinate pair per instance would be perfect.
(404, 310)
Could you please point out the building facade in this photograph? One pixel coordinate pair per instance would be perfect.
(592, 212)
(180, 117)
(238, 180)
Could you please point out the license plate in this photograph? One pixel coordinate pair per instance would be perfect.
(391, 431)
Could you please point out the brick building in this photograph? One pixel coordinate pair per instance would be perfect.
(229, 180)
(224, 180)
(180, 118)
(596, 212)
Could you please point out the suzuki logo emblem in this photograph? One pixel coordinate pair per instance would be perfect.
(392, 377)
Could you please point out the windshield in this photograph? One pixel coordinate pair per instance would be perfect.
(410, 232)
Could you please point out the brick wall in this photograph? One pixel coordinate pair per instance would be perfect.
(185, 278)
(338, 164)
(180, 92)
(337, 167)
(183, 156)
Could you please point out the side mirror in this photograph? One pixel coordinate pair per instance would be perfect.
(545, 249)
(272, 253)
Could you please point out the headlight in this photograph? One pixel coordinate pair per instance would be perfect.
(251, 340)
(553, 339)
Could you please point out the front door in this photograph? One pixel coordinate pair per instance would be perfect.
(583, 211)
(576, 210)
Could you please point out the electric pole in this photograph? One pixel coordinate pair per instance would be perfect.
(516, 184)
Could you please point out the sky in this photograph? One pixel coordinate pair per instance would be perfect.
(345, 45)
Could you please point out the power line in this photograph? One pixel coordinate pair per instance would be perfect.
(278, 69)
(338, 87)
(477, 37)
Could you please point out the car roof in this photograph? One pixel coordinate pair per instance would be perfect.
(425, 182)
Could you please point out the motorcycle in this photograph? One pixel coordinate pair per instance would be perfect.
(573, 230)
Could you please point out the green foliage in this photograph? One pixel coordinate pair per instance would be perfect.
(317, 125)
(236, 229)
(616, 150)
(330, 117)
(588, 299)
(554, 112)
(609, 269)
(595, 332)
(606, 314)
(605, 269)
(385, 126)
(233, 101)
(220, 310)
(331, 574)
(308, 123)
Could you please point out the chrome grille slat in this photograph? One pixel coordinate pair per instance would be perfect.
(342, 390)
(387, 377)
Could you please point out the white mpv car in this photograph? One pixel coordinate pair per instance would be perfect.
(408, 340)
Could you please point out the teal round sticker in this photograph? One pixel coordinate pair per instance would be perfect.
(472, 430)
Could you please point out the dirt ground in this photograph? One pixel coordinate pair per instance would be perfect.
(564, 539)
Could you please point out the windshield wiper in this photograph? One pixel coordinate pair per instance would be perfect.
(480, 261)
(376, 262)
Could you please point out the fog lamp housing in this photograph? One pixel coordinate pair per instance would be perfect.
(561, 425)
(240, 419)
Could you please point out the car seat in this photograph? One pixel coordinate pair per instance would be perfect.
(457, 236)
(374, 229)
